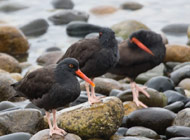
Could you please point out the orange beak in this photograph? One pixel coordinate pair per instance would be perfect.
(83, 76)
(140, 45)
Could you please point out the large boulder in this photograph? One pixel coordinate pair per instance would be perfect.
(100, 120)
(12, 41)
(125, 28)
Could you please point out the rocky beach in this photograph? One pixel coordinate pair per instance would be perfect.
(37, 33)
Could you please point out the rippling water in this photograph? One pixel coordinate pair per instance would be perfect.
(155, 14)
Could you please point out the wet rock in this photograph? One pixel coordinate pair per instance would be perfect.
(44, 135)
(6, 105)
(185, 84)
(16, 136)
(131, 6)
(104, 85)
(49, 58)
(129, 107)
(121, 131)
(21, 120)
(182, 118)
(101, 10)
(12, 7)
(160, 83)
(81, 29)
(63, 4)
(177, 131)
(51, 49)
(180, 74)
(101, 120)
(126, 28)
(174, 96)
(177, 53)
(66, 16)
(157, 99)
(175, 29)
(9, 63)
(13, 42)
(180, 138)
(156, 71)
(142, 131)
(157, 119)
(175, 107)
(35, 28)
(187, 105)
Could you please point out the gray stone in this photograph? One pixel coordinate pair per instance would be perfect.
(12, 7)
(121, 131)
(177, 131)
(175, 29)
(180, 65)
(175, 107)
(6, 91)
(183, 118)
(180, 138)
(63, 4)
(6, 105)
(35, 28)
(66, 16)
(131, 6)
(51, 49)
(16, 136)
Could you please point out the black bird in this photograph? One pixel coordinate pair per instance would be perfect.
(52, 87)
(133, 60)
(96, 56)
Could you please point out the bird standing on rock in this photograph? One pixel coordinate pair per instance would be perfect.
(52, 87)
(96, 56)
(141, 52)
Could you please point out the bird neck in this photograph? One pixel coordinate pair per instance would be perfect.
(108, 42)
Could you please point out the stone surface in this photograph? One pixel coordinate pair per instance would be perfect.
(160, 83)
(12, 41)
(51, 49)
(185, 83)
(177, 53)
(180, 74)
(183, 118)
(175, 107)
(143, 132)
(16, 76)
(175, 29)
(35, 28)
(104, 85)
(101, 10)
(81, 29)
(16, 136)
(44, 135)
(20, 121)
(63, 4)
(121, 131)
(9, 63)
(66, 16)
(12, 7)
(157, 119)
(131, 6)
(125, 28)
(180, 138)
(157, 99)
(177, 131)
(49, 58)
(129, 107)
(101, 120)
(6, 105)
(180, 65)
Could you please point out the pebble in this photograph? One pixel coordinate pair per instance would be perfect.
(102, 10)
(131, 6)
(121, 131)
(129, 107)
(160, 83)
(12, 7)
(180, 65)
(66, 16)
(177, 131)
(51, 49)
(81, 29)
(35, 28)
(157, 119)
(185, 83)
(182, 118)
(63, 4)
(16, 136)
(175, 107)
(187, 105)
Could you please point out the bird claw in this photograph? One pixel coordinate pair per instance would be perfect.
(93, 100)
(57, 131)
(139, 103)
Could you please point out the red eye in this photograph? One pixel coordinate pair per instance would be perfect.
(71, 65)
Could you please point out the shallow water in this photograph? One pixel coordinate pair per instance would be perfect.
(155, 14)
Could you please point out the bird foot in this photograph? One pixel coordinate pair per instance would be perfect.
(142, 90)
(57, 131)
(93, 100)
(139, 103)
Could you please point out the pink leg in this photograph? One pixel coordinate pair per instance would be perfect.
(49, 123)
(135, 90)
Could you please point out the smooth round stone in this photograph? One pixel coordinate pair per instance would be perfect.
(101, 10)
(81, 29)
(32, 106)
(9, 63)
(157, 99)
(177, 131)
(180, 65)
(63, 4)
(182, 118)
(157, 119)
(52, 49)
(6, 77)
(187, 105)
(115, 92)
(177, 53)
(180, 90)
(66, 16)
(160, 83)
(125, 28)
(185, 84)
(35, 28)
(13, 42)
(6, 91)
(44, 135)
(48, 58)
(121, 131)
(180, 74)
(12, 7)
(180, 138)
(143, 132)
(175, 107)
(131, 6)
(174, 96)
(175, 29)
(6, 105)
(16, 136)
